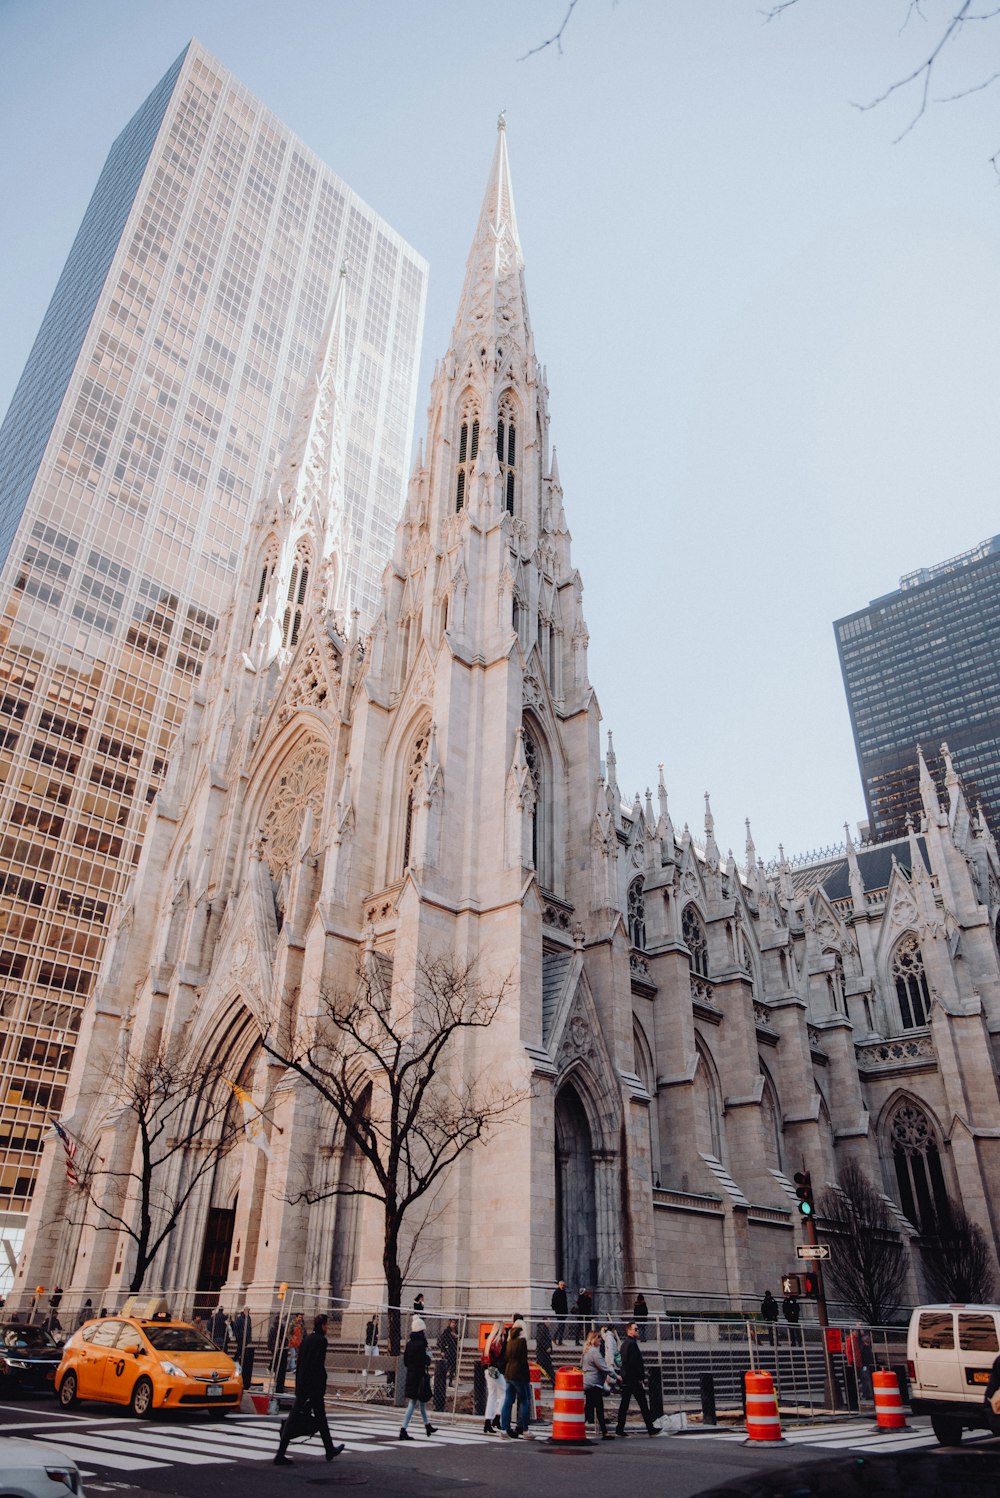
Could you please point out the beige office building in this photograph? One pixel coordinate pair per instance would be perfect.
(144, 430)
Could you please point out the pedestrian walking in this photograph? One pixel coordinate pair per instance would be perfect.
(790, 1311)
(308, 1414)
(640, 1313)
(417, 1362)
(518, 1376)
(633, 1382)
(295, 1337)
(611, 1347)
(277, 1346)
(218, 1327)
(494, 1357)
(447, 1346)
(582, 1309)
(243, 1336)
(596, 1373)
(543, 1348)
(560, 1310)
(769, 1312)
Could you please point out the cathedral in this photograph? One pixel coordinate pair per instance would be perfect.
(684, 1032)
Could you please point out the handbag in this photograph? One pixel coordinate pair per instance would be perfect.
(298, 1423)
(425, 1389)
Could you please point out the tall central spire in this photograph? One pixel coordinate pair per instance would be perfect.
(493, 305)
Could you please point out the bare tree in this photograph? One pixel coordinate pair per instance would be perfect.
(957, 1259)
(948, 26)
(186, 1117)
(869, 1262)
(391, 1065)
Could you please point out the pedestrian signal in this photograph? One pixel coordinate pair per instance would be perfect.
(810, 1286)
(790, 1286)
(282, 1289)
(804, 1192)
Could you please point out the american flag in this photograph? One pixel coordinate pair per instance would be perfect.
(69, 1145)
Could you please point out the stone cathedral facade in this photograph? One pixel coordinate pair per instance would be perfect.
(687, 1032)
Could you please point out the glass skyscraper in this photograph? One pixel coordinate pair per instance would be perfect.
(922, 666)
(142, 434)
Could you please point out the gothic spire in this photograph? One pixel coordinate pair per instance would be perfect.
(493, 311)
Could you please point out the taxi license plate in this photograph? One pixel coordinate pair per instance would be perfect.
(214, 1391)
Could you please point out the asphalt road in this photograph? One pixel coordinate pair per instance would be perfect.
(194, 1457)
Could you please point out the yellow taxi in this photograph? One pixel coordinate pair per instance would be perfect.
(147, 1364)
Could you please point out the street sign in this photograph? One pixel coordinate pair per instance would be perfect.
(812, 1251)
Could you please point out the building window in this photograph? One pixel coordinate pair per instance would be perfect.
(637, 914)
(507, 451)
(412, 790)
(468, 451)
(917, 1163)
(694, 938)
(911, 983)
(264, 582)
(298, 583)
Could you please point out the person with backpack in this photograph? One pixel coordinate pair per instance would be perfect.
(494, 1357)
(417, 1361)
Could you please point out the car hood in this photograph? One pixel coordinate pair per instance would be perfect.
(199, 1362)
(31, 1355)
(21, 1454)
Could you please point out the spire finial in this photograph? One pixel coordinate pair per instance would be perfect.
(502, 120)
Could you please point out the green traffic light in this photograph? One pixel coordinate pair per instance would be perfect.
(806, 1208)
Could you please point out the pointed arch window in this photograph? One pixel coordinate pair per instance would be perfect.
(411, 791)
(507, 451)
(468, 452)
(916, 1161)
(295, 596)
(263, 584)
(536, 758)
(910, 979)
(637, 914)
(694, 938)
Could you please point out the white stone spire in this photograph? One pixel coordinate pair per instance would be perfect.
(493, 310)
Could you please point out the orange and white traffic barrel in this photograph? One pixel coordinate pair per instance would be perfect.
(537, 1412)
(888, 1405)
(763, 1423)
(568, 1422)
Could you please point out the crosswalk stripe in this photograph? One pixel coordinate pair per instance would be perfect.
(167, 1446)
(86, 1449)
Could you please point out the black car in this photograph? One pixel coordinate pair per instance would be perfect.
(29, 1356)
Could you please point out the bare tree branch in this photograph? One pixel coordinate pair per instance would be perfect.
(552, 40)
(389, 1068)
(185, 1119)
(868, 1266)
(957, 1259)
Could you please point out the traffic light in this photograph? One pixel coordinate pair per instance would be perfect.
(790, 1285)
(804, 1192)
(810, 1286)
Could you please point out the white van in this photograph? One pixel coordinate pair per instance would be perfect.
(950, 1351)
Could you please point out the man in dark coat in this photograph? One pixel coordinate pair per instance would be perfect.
(243, 1334)
(790, 1311)
(560, 1310)
(218, 1327)
(633, 1381)
(310, 1392)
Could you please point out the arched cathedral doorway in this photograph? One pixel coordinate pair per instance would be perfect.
(576, 1197)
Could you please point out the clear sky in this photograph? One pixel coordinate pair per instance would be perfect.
(772, 335)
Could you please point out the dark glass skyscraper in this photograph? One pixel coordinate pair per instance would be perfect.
(922, 666)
